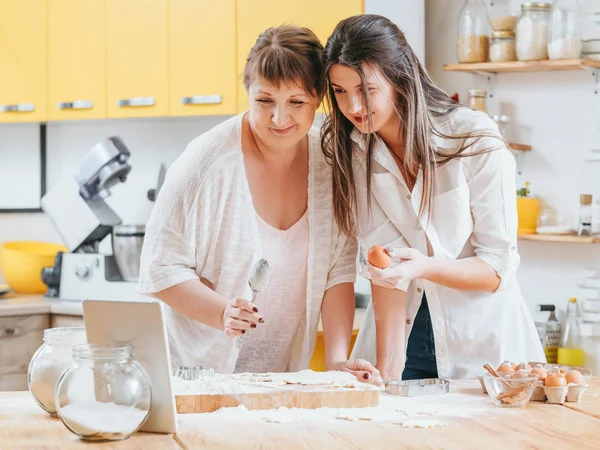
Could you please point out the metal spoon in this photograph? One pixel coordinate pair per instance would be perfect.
(258, 280)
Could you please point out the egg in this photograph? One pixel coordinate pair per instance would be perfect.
(555, 380)
(521, 374)
(379, 257)
(540, 371)
(505, 367)
(573, 376)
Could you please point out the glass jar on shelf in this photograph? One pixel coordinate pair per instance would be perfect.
(473, 32)
(564, 40)
(477, 99)
(106, 395)
(504, 14)
(504, 126)
(532, 31)
(49, 362)
(503, 47)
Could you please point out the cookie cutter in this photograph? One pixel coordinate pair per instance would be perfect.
(415, 388)
(191, 373)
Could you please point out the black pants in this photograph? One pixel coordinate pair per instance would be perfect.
(420, 353)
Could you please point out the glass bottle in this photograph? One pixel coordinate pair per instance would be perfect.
(106, 395)
(532, 31)
(477, 99)
(564, 41)
(585, 215)
(504, 126)
(49, 362)
(473, 32)
(570, 352)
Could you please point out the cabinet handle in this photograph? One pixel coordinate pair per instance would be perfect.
(202, 100)
(11, 332)
(19, 107)
(136, 101)
(77, 104)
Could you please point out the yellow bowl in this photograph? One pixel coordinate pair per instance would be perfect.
(21, 263)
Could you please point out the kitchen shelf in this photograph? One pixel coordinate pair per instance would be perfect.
(560, 238)
(520, 147)
(524, 66)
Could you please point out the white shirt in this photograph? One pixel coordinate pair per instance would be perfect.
(268, 348)
(203, 225)
(474, 214)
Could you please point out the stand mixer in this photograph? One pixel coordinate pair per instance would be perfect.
(77, 208)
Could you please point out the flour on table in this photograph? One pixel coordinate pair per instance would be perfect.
(421, 423)
(332, 379)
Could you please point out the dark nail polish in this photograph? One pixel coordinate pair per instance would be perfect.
(255, 309)
(243, 331)
(253, 325)
(261, 320)
(366, 375)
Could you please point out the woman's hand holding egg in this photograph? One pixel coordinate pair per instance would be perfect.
(412, 265)
(240, 315)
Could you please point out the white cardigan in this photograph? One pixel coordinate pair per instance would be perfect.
(203, 225)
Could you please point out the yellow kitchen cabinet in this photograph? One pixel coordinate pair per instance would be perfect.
(76, 59)
(23, 60)
(202, 57)
(136, 58)
(255, 16)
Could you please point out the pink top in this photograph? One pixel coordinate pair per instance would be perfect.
(268, 348)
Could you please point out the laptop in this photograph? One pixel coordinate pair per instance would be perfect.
(141, 324)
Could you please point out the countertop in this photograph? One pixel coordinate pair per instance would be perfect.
(12, 304)
(469, 418)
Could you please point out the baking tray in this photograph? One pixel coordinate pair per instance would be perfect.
(415, 388)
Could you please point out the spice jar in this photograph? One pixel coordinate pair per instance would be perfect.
(106, 395)
(565, 30)
(477, 99)
(504, 14)
(50, 361)
(532, 31)
(473, 32)
(504, 126)
(503, 47)
(585, 215)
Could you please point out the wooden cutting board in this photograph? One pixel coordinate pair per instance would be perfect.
(288, 396)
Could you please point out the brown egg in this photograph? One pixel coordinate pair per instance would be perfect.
(523, 366)
(573, 376)
(379, 257)
(521, 374)
(506, 367)
(555, 380)
(541, 372)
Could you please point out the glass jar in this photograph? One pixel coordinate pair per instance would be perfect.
(564, 40)
(505, 127)
(532, 31)
(503, 47)
(504, 14)
(106, 395)
(50, 361)
(473, 32)
(477, 99)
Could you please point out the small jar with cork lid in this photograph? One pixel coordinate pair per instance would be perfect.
(585, 215)
(477, 99)
(503, 47)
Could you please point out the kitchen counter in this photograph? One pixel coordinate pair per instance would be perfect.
(13, 304)
(471, 421)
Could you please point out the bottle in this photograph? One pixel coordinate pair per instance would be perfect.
(585, 215)
(552, 334)
(473, 32)
(570, 352)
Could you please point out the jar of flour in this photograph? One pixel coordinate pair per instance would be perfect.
(106, 395)
(50, 361)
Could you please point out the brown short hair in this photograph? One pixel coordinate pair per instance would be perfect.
(287, 53)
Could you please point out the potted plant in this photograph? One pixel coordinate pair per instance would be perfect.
(528, 210)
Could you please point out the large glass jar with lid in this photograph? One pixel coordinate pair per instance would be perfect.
(564, 40)
(106, 395)
(473, 32)
(532, 31)
(504, 14)
(49, 362)
(503, 47)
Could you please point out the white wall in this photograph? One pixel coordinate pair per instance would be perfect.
(559, 115)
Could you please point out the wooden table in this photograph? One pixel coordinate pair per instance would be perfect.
(24, 426)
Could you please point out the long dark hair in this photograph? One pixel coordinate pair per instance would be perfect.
(376, 41)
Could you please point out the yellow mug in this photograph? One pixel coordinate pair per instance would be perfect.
(528, 210)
